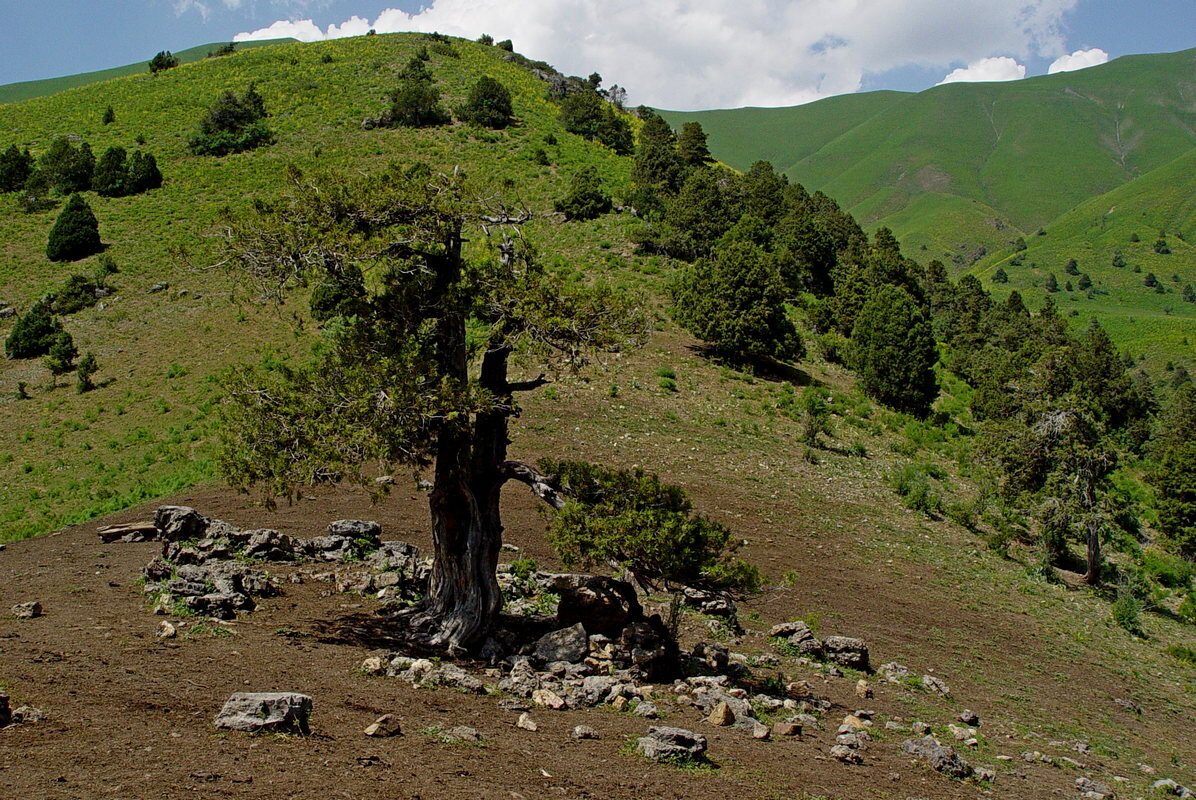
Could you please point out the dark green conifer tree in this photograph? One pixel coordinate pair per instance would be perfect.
(15, 168)
(488, 105)
(895, 351)
(76, 232)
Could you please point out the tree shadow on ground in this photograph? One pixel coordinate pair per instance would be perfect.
(763, 368)
(395, 632)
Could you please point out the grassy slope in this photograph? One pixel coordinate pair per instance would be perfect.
(783, 136)
(65, 456)
(27, 90)
(1160, 326)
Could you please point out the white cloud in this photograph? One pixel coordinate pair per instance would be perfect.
(1000, 68)
(721, 53)
(1080, 59)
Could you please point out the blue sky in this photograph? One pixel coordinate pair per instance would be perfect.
(667, 53)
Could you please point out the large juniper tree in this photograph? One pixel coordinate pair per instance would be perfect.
(396, 379)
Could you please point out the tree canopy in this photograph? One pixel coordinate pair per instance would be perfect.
(234, 124)
(396, 380)
(76, 232)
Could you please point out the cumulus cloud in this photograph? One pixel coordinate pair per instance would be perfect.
(1000, 68)
(688, 54)
(1080, 59)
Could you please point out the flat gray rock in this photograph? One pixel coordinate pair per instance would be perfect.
(276, 712)
(665, 743)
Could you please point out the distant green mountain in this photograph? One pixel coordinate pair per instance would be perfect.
(25, 90)
(964, 169)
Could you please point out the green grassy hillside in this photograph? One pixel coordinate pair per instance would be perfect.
(27, 90)
(1148, 322)
(783, 136)
(1028, 150)
(65, 456)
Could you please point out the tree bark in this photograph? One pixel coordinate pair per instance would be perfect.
(1092, 576)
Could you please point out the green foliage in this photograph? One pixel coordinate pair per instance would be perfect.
(76, 232)
(1000, 276)
(912, 484)
(815, 414)
(162, 61)
(1183, 653)
(1174, 474)
(691, 145)
(233, 125)
(226, 49)
(62, 354)
(415, 103)
(109, 116)
(76, 294)
(84, 370)
(1172, 571)
(894, 351)
(631, 518)
(1127, 613)
(65, 168)
(1161, 247)
(118, 175)
(15, 168)
(586, 199)
(488, 105)
(734, 300)
(588, 115)
(33, 332)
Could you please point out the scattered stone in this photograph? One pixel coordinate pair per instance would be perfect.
(548, 699)
(167, 630)
(1169, 786)
(847, 755)
(847, 651)
(620, 703)
(942, 758)
(27, 610)
(961, 734)
(893, 725)
(276, 712)
(1129, 705)
(386, 725)
(984, 774)
(585, 732)
(714, 604)
(936, 686)
(669, 744)
(853, 722)
(862, 689)
(894, 672)
(969, 718)
(570, 644)
(786, 729)
(374, 665)
(24, 715)
(919, 728)
(760, 731)
(603, 605)
(1146, 769)
(463, 733)
(526, 722)
(158, 287)
(852, 740)
(646, 710)
(1093, 789)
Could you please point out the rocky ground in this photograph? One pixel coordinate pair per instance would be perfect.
(149, 658)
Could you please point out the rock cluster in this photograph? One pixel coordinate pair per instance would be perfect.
(845, 651)
(937, 755)
(18, 715)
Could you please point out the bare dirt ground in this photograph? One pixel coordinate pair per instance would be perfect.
(130, 715)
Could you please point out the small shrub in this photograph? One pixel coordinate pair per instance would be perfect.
(1161, 247)
(1170, 570)
(1185, 654)
(1127, 611)
(83, 372)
